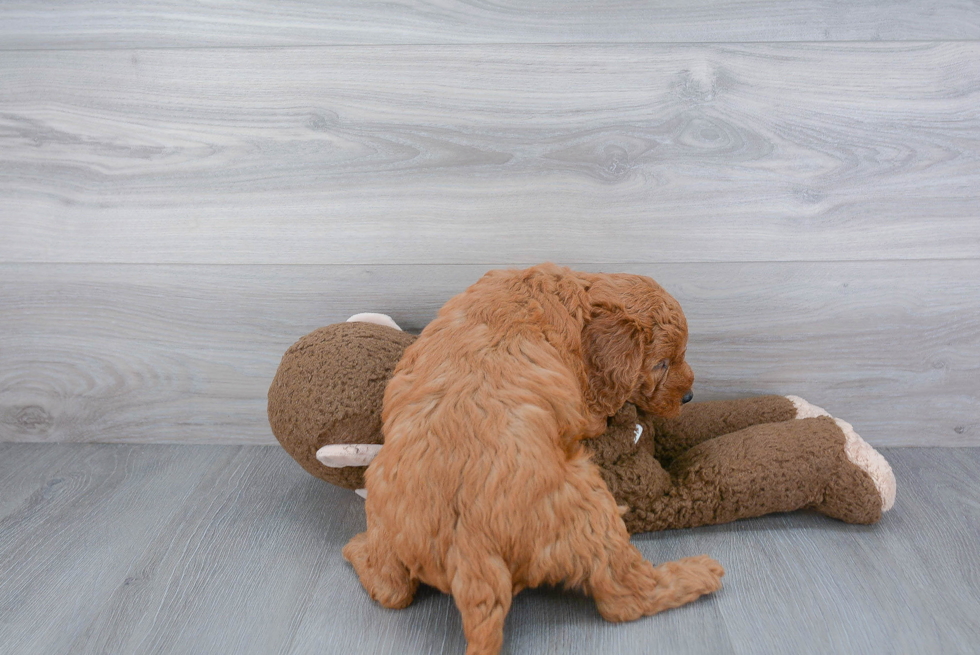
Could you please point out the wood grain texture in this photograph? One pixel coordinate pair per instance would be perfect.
(186, 353)
(873, 589)
(222, 555)
(153, 549)
(20, 477)
(183, 23)
(471, 154)
(68, 543)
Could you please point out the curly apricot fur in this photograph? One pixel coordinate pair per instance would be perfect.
(482, 488)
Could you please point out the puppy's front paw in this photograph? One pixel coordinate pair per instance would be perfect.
(695, 576)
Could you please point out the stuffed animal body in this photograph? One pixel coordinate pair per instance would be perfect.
(717, 462)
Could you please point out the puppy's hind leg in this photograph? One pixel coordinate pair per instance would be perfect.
(483, 589)
(384, 576)
(630, 587)
(624, 585)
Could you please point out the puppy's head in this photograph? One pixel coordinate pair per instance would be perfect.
(633, 345)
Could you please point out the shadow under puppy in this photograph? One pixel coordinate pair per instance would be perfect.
(483, 487)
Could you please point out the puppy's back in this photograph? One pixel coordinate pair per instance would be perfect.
(476, 419)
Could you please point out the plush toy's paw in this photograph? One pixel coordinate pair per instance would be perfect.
(805, 409)
(858, 451)
(859, 484)
(871, 462)
(377, 319)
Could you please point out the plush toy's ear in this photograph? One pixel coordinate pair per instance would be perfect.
(347, 454)
(612, 347)
(377, 319)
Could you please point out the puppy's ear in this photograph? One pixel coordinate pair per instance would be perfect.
(612, 347)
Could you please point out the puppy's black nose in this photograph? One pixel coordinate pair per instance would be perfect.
(688, 397)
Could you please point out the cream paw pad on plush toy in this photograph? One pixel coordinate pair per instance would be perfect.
(858, 451)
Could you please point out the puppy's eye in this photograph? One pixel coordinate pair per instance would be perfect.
(662, 365)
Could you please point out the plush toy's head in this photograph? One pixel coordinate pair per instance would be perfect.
(329, 390)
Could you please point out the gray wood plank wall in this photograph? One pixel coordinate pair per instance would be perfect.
(185, 189)
(185, 23)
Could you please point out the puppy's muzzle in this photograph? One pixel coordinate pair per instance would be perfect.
(687, 397)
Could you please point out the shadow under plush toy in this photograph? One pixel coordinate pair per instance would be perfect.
(717, 462)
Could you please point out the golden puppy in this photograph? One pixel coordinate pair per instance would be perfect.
(482, 488)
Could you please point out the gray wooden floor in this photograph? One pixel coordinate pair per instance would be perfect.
(108, 548)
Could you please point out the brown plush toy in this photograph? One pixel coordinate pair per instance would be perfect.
(718, 462)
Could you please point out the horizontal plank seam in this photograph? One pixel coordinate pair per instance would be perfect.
(575, 44)
(501, 264)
